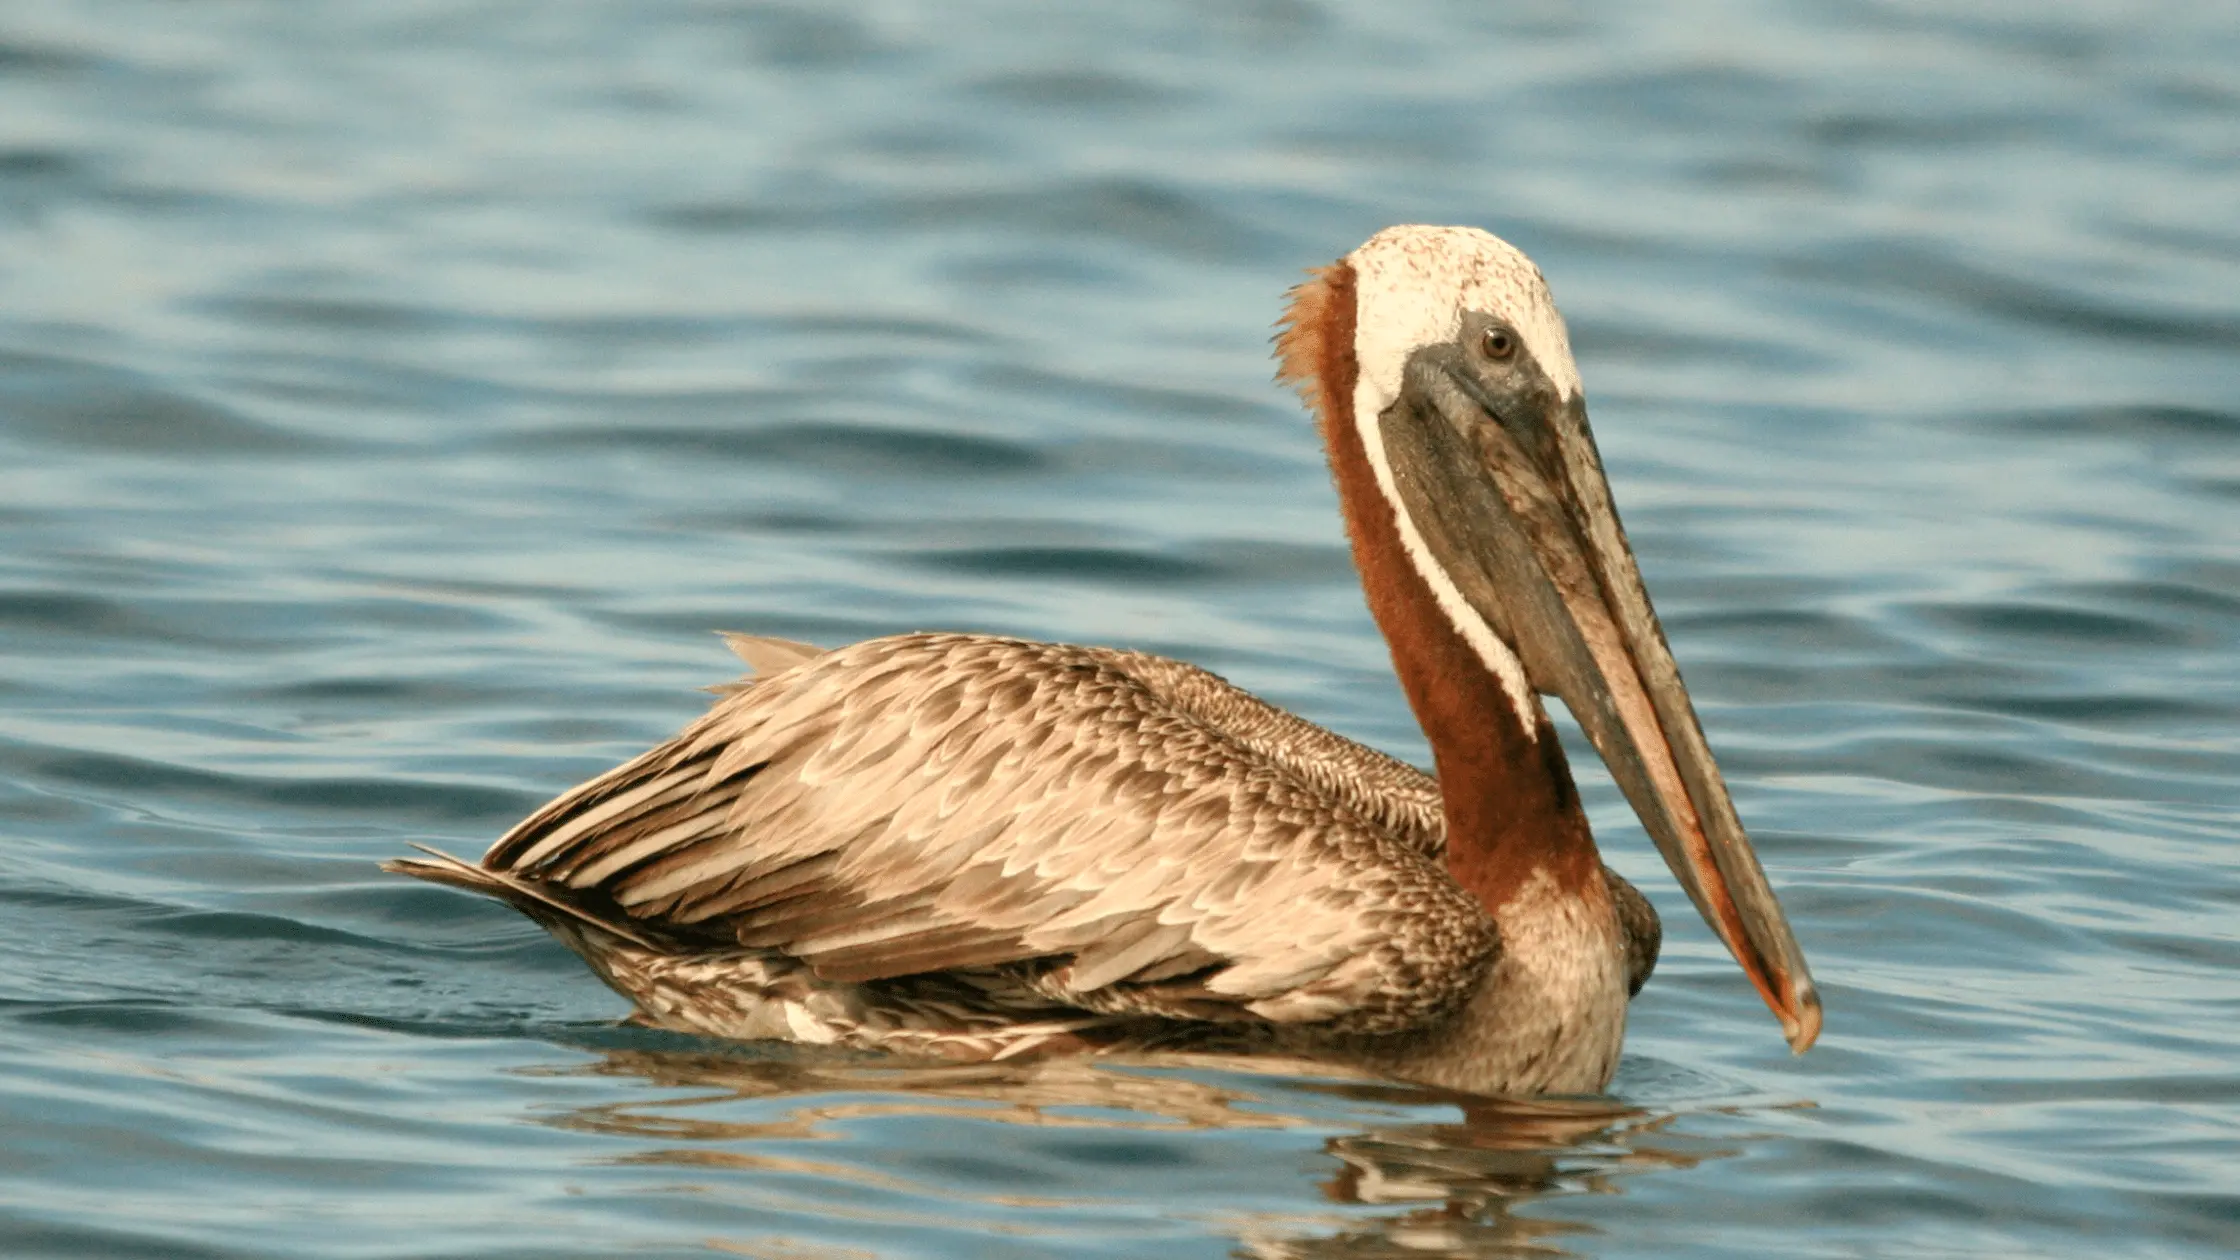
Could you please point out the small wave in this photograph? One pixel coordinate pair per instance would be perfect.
(48, 400)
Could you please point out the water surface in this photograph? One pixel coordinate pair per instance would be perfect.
(393, 397)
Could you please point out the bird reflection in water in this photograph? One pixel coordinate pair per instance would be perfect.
(1455, 1183)
(1460, 1181)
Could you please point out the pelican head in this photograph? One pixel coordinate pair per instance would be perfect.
(1443, 350)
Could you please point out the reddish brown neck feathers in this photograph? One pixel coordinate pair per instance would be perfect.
(1510, 804)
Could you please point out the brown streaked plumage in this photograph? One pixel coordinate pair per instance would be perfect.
(980, 847)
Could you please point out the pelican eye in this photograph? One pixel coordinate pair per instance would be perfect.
(1497, 343)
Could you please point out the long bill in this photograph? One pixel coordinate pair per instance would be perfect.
(1509, 490)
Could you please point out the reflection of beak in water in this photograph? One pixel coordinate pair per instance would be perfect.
(1455, 1181)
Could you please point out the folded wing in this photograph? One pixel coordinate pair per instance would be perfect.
(1125, 832)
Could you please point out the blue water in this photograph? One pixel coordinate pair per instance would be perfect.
(393, 396)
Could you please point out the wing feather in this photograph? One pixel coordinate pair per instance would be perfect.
(1145, 835)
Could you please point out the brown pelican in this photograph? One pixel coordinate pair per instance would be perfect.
(979, 847)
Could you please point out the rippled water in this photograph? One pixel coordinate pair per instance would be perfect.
(393, 396)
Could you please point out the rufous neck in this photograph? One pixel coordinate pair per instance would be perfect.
(1512, 810)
